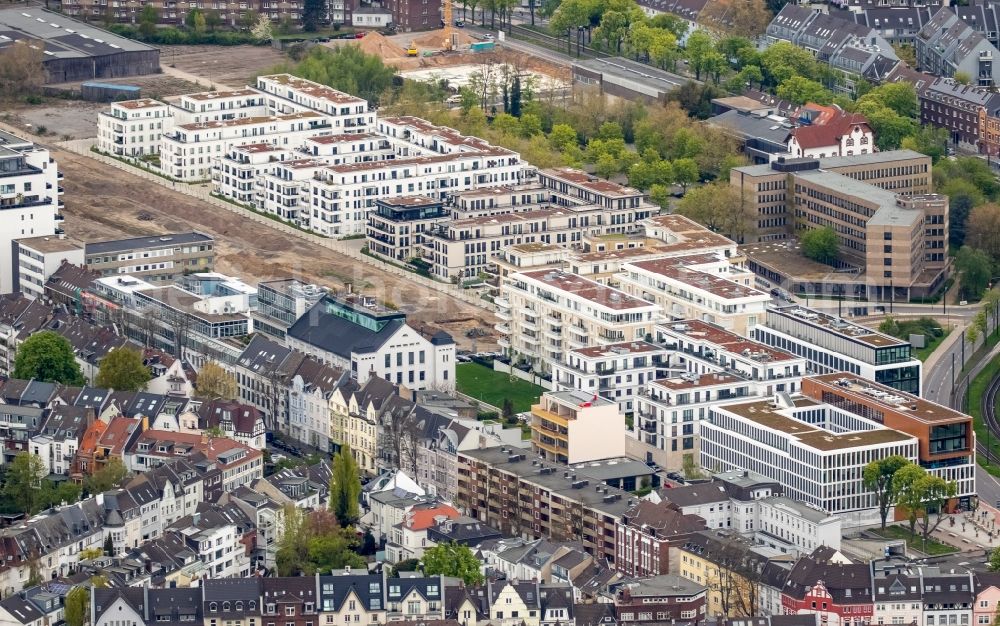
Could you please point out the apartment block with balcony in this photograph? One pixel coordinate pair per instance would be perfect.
(708, 366)
(218, 106)
(832, 344)
(576, 427)
(237, 174)
(30, 198)
(190, 152)
(286, 93)
(704, 287)
(132, 128)
(545, 313)
(281, 302)
(397, 227)
(617, 372)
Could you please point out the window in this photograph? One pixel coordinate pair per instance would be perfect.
(290, 611)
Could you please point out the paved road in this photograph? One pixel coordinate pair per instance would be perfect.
(987, 486)
(940, 379)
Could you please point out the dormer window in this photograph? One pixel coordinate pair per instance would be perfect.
(252, 605)
(271, 608)
(309, 607)
(213, 607)
(239, 606)
(225, 606)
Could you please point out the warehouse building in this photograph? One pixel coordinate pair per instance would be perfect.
(74, 50)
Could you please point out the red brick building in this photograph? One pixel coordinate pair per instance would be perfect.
(645, 534)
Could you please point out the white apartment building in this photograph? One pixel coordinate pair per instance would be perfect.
(815, 451)
(38, 258)
(617, 372)
(832, 344)
(218, 106)
(190, 152)
(703, 286)
(30, 198)
(132, 128)
(707, 365)
(283, 189)
(576, 427)
(286, 93)
(790, 526)
(546, 313)
(237, 172)
(342, 195)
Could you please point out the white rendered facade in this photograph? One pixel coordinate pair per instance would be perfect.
(39, 257)
(545, 313)
(616, 372)
(132, 128)
(237, 173)
(702, 287)
(29, 198)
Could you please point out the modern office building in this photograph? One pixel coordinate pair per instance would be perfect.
(817, 443)
(576, 427)
(158, 258)
(832, 344)
(892, 234)
(30, 199)
(38, 258)
(281, 302)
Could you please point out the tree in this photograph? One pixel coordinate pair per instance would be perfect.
(722, 208)
(215, 382)
(909, 493)
(974, 271)
(820, 244)
(685, 172)
(313, 12)
(77, 603)
(313, 542)
(261, 29)
(507, 409)
(878, 476)
(48, 357)
(148, 17)
(348, 69)
(109, 546)
(901, 97)
(191, 17)
(561, 136)
(23, 482)
(122, 369)
(108, 477)
(54, 494)
(91, 553)
(516, 96)
(452, 559)
(22, 69)
(698, 47)
(994, 563)
(213, 20)
(800, 90)
(737, 18)
(934, 493)
(199, 23)
(962, 78)
(983, 228)
(929, 140)
(345, 487)
(406, 565)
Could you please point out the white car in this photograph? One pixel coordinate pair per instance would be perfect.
(455, 99)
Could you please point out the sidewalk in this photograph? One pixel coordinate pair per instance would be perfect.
(979, 530)
(943, 348)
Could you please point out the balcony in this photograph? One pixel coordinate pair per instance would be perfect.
(504, 315)
(530, 323)
(503, 329)
(554, 332)
(503, 342)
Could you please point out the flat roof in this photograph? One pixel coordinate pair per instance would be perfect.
(893, 399)
(698, 330)
(871, 158)
(590, 182)
(587, 289)
(246, 121)
(206, 96)
(637, 77)
(888, 213)
(177, 298)
(765, 413)
(692, 381)
(49, 243)
(330, 139)
(618, 349)
(316, 90)
(839, 326)
(716, 285)
(141, 103)
(578, 398)
(168, 240)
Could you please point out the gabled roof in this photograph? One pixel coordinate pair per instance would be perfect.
(338, 335)
(170, 604)
(336, 589)
(829, 134)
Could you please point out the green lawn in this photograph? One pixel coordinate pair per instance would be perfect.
(482, 383)
(926, 351)
(916, 542)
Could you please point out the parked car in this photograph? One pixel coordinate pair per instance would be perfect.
(359, 35)
(459, 23)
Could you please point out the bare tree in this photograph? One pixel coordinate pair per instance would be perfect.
(22, 71)
(400, 437)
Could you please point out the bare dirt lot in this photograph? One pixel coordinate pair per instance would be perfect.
(234, 66)
(102, 203)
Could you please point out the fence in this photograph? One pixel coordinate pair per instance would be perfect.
(83, 147)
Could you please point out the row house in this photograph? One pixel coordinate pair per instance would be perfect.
(657, 599)
(221, 536)
(970, 114)
(239, 464)
(240, 422)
